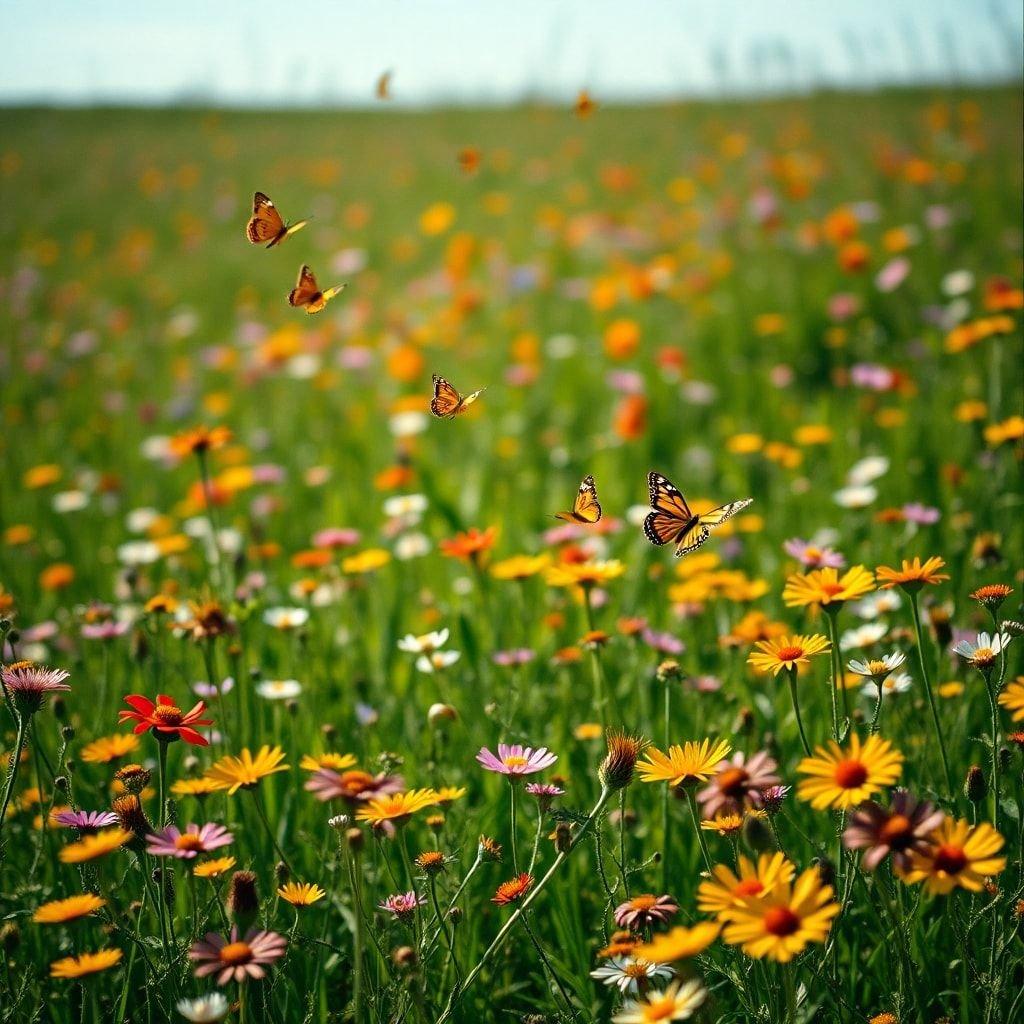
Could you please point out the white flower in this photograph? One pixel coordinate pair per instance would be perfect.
(957, 282)
(898, 682)
(138, 552)
(279, 689)
(407, 424)
(560, 346)
(303, 366)
(157, 448)
(206, 1009)
(70, 501)
(878, 668)
(286, 618)
(636, 514)
(863, 636)
(405, 506)
(625, 972)
(982, 653)
(858, 496)
(424, 644)
(139, 520)
(230, 541)
(878, 603)
(411, 545)
(867, 470)
(677, 1002)
(436, 661)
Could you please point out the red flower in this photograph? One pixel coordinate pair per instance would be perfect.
(166, 719)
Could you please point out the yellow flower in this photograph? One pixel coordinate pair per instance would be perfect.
(811, 434)
(677, 1002)
(725, 890)
(301, 894)
(245, 771)
(912, 576)
(1012, 698)
(41, 476)
(396, 807)
(365, 561)
(74, 907)
(91, 847)
(337, 762)
(588, 731)
(781, 923)
(195, 787)
(826, 586)
(584, 574)
(726, 824)
(449, 794)
(678, 944)
(958, 855)
(692, 762)
(786, 652)
(520, 567)
(87, 963)
(744, 444)
(109, 748)
(213, 868)
(845, 778)
(437, 218)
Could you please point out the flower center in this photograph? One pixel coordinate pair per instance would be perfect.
(235, 953)
(643, 902)
(983, 656)
(635, 970)
(850, 774)
(168, 714)
(812, 554)
(877, 667)
(733, 782)
(748, 887)
(780, 921)
(790, 653)
(515, 761)
(896, 832)
(663, 1009)
(830, 590)
(950, 859)
(188, 841)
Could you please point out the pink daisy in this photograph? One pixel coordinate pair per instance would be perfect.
(235, 959)
(516, 760)
(196, 839)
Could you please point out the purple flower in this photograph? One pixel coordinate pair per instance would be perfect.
(104, 630)
(901, 830)
(773, 797)
(85, 821)
(517, 656)
(234, 959)
(665, 643)
(29, 684)
(545, 792)
(516, 760)
(922, 515)
(336, 537)
(211, 690)
(813, 555)
(738, 783)
(893, 274)
(642, 911)
(872, 377)
(354, 786)
(196, 839)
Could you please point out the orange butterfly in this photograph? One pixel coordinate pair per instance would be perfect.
(586, 509)
(307, 292)
(672, 520)
(447, 403)
(266, 225)
(384, 86)
(584, 105)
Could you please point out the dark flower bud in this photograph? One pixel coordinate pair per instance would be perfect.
(404, 956)
(165, 878)
(10, 936)
(455, 915)
(292, 707)
(355, 839)
(133, 777)
(826, 870)
(616, 770)
(975, 786)
(563, 837)
(131, 816)
(757, 835)
(243, 900)
(67, 733)
(328, 731)
(60, 708)
(281, 872)
(1004, 756)
(61, 782)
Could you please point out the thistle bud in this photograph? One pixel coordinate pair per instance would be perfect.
(488, 849)
(616, 770)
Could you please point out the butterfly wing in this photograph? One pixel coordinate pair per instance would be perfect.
(446, 400)
(586, 508)
(468, 401)
(691, 538)
(698, 532)
(291, 229)
(717, 516)
(305, 293)
(265, 224)
(670, 516)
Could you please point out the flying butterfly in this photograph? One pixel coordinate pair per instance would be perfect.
(672, 521)
(307, 294)
(266, 225)
(447, 403)
(586, 509)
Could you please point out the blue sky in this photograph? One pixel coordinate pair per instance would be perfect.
(483, 51)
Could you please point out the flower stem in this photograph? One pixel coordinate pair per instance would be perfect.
(512, 824)
(443, 925)
(925, 679)
(162, 778)
(666, 817)
(12, 768)
(595, 661)
(695, 814)
(837, 672)
(791, 676)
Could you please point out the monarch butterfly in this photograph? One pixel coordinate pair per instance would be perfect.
(307, 292)
(266, 225)
(384, 86)
(672, 520)
(586, 508)
(447, 403)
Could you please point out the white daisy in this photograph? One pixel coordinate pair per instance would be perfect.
(286, 618)
(863, 636)
(626, 973)
(437, 661)
(279, 689)
(427, 643)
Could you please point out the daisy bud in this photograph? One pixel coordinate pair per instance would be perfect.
(992, 595)
(616, 770)
(975, 788)
(61, 783)
(435, 822)
(328, 731)
(67, 733)
(455, 915)
(1013, 627)
(292, 707)
(440, 713)
(355, 839)
(132, 817)
(339, 822)
(668, 670)
(10, 936)
(190, 763)
(757, 835)
(243, 900)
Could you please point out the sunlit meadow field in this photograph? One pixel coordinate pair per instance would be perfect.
(208, 495)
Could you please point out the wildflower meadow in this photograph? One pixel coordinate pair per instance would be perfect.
(542, 565)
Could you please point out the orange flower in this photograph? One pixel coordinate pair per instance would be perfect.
(199, 440)
(57, 576)
(470, 546)
(630, 420)
(513, 890)
(912, 576)
(621, 339)
(405, 363)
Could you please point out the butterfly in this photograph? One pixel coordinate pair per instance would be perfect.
(584, 105)
(586, 508)
(307, 292)
(672, 520)
(266, 225)
(384, 86)
(447, 403)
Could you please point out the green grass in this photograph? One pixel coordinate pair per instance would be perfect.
(133, 308)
